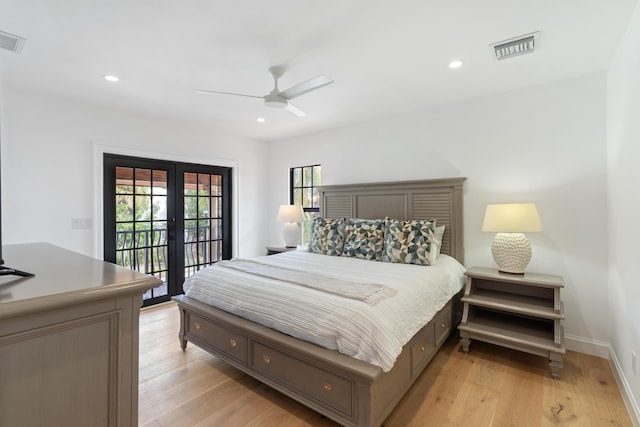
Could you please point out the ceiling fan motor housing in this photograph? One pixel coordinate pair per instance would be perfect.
(274, 100)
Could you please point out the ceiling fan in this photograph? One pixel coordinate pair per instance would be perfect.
(280, 99)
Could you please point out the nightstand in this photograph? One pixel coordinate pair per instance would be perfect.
(519, 311)
(272, 250)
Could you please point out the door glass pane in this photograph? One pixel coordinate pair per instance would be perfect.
(204, 185)
(202, 243)
(142, 181)
(141, 227)
(203, 207)
(216, 185)
(143, 208)
(190, 207)
(159, 208)
(124, 180)
(159, 182)
(190, 180)
(216, 207)
(124, 208)
(159, 235)
(216, 229)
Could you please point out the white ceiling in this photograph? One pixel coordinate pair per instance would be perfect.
(386, 57)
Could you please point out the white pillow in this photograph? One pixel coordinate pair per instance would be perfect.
(436, 244)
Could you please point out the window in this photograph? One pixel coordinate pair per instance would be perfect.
(304, 181)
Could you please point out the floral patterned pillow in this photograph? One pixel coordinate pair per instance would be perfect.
(364, 238)
(408, 242)
(327, 236)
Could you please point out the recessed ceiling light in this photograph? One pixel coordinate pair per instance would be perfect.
(260, 120)
(455, 64)
(111, 78)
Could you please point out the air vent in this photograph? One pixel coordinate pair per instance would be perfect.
(516, 46)
(11, 42)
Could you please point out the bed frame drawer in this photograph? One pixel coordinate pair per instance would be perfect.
(422, 349)
(229, 342)
(328, 390)
(443, 324)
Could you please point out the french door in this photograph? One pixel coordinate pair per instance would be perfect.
(166, 219)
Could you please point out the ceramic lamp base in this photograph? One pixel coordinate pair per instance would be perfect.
(291, 234)
(511, 251)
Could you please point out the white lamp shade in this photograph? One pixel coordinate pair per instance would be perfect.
(512, 218)
(290, 213)
(510, 248)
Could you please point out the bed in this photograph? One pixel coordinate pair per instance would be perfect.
(346, 389)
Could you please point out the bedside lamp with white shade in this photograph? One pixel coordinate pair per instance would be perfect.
(292, 216)
(510, 248)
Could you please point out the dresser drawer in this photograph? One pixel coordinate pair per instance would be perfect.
(223, 339)
(327, 389)
(443, 324)
(422, 349)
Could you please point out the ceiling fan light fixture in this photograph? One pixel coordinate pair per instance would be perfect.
(275, 101)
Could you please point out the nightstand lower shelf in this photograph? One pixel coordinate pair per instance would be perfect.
(519, 333)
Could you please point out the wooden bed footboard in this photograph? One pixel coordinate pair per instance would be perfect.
(346, 390)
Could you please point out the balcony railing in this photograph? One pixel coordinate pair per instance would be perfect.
(146, 250)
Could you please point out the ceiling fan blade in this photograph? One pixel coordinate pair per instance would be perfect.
(295, 110)
(227, 93)
(307, 86)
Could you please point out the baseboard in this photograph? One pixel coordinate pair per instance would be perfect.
(587, 346)
(627, 395)
(604, 350)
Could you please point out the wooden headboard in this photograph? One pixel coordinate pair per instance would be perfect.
(427, 199)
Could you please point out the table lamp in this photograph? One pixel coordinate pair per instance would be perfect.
(510, 248)
(292, 216)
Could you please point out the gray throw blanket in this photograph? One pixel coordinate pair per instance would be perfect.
(368, 292)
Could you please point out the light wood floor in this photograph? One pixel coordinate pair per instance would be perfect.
(490, 386)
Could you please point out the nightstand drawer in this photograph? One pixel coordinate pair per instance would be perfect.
(229, 342)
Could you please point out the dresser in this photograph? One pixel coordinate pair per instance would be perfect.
(68, 339)
(519, 311)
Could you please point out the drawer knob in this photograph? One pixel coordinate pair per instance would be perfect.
(197, 325)
(422, 348)
(266, 359)
(443, 325)
(328, 386)
(233, 343)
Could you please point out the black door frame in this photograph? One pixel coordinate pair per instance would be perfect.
(175, 211)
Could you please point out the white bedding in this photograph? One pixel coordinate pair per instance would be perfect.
(372, 333)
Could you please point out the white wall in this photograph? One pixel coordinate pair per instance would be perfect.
(623, 153)
(48, 166)
(544, 144)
